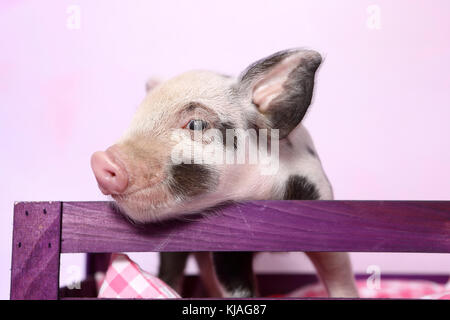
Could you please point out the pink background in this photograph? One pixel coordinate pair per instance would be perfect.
(380, 117)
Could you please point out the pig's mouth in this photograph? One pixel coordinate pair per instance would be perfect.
(155, 205)
(143, 195)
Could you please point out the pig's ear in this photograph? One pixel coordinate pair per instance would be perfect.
(151, 83)
(281, 86)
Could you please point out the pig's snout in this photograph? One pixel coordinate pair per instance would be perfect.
(112, 177)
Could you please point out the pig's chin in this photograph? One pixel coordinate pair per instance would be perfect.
(145, 206)
(155, 206)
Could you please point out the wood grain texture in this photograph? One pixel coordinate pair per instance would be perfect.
(35, 251)
(358, 226)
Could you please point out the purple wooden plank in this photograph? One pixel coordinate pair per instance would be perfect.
(378, 226)
(35, 251)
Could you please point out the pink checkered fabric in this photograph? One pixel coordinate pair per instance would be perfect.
(124, 279)
(400, 289)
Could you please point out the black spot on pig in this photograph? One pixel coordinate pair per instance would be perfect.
(188, 180)
(223, 126)
(300, 188)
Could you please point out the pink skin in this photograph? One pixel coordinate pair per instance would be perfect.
(136, 172)
(112, 178)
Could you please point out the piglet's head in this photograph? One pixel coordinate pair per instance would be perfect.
(196, 109)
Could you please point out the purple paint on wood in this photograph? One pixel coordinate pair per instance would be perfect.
(358, 226)
(35, 251)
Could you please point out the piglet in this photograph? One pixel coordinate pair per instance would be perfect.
(202, 139)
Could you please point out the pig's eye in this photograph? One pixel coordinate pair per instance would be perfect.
(197, 125)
